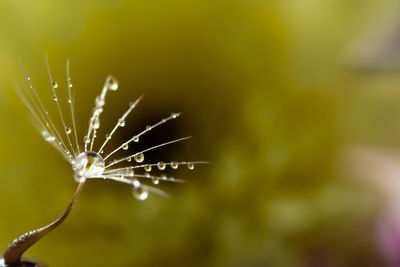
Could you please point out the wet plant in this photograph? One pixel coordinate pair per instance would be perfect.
(88, 160)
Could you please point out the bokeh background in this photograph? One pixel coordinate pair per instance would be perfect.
(295, 103)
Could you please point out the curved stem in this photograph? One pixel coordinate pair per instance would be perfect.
(13, 253)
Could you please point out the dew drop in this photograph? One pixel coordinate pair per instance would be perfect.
(108, 137)
(174, 165)
(28, 78)
(86, 139)
(129, 159)
(174, 115)
(69, 100)
(136, 139)
(70, 85)
(99, 101)
(139, 157)
(96, 123)
(148, 127)
(161, 165)
(155, 180)
(163, 177)
(190, 166)
(147, 168)
(140, 193)
(147, 175)
(125, 147)
(54, 84)
(55, 98)
(48, 137)
(112, 84)
(68, 130)
(121, 123)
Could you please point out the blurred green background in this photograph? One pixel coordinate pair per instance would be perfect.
(295, 103)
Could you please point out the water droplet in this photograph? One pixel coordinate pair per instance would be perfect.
(147, 168)
(108, 137)
(121, 123)
(163, 177)
(139, 157)
(70, 85)
(147, 175)
(174, 165)
(155, 180)
(131, 104)
(129, 159)
(67, 130)
(69, 100)
(96, 123)
(174, 115)
(112, 84)
(54, 84)
(190, 166)
(48, 137)
(28, 78)
(125, 147)
(99, 101)
(161, 165)
(55, 98)
(148, 127)
(140, 193)
(130, 173)
(136, 139)
(86, 139)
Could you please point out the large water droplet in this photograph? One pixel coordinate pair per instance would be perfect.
(139, 157)
(125, 147)
(174, 165)
(161, 165)
(88, 164)
(140, 193)
(67, 130)
(112, 84)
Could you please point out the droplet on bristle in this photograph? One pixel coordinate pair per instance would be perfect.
(190, 166)
(129, 159)
(174, 165)
(121, 123)
(139, 157)
(147, 168)
(112, 84)
(139, 192)
(148, 127)
(55, 98)
(70, 85)
(174, 115)
(163, 177)
(67, 130)
(69, 100)
(54, 84)
(125, 147)
(48, 137)
(155, 180)
(99, 101)
(96, 123)
(108, 137)
(86, 139)
(136, 139)
(161, 165)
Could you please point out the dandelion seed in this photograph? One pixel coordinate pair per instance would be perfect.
(86, 163)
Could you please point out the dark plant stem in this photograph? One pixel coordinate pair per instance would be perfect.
(13, 253)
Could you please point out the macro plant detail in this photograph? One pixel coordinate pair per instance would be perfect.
(87, 158)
